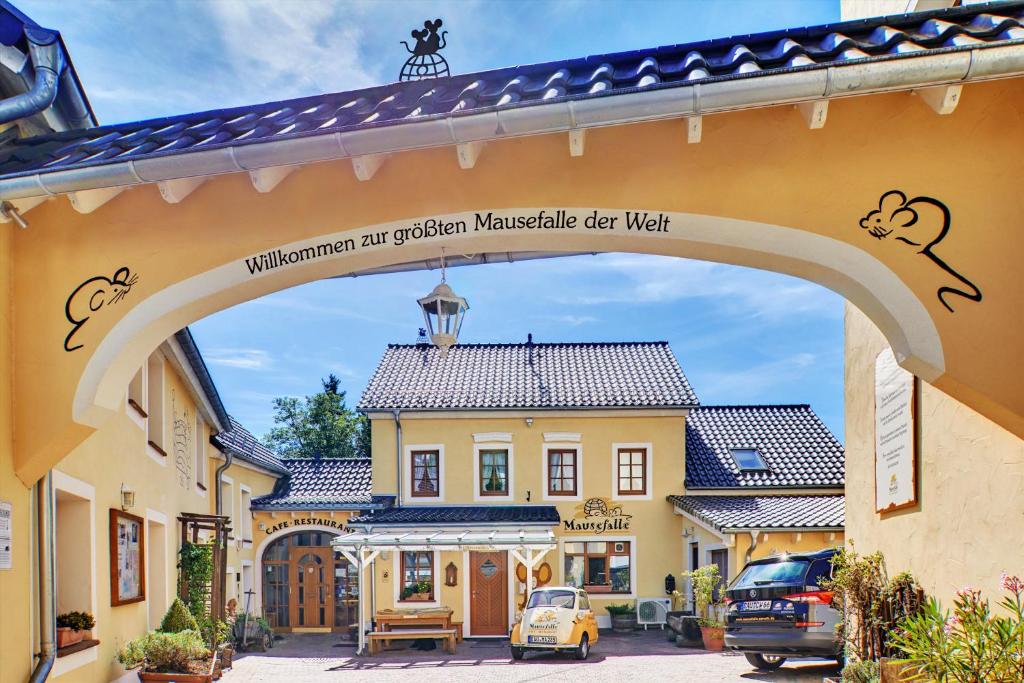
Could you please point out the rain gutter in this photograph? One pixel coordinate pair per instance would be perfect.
(47, 63)
(714, 95)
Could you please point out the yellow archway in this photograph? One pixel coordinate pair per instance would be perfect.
(759, 190)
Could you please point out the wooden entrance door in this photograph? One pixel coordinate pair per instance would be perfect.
(311, 602)
(488, 587)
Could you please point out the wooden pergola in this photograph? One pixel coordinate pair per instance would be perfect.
(192, 526)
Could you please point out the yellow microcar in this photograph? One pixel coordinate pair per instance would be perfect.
(555, 618)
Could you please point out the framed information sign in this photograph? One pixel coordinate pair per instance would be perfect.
(127, 558)
(895, 442)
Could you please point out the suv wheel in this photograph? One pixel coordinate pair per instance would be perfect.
(765, 662)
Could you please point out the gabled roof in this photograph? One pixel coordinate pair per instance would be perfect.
(246, 447)
(319, 484)
(796, 445)
(460, 515)
(532, 376)
(750, 513)
(202, 373)
(332, 116)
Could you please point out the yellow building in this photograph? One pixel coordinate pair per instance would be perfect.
(564, 458)
(150, 464)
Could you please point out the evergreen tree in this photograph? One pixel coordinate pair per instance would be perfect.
(320, 425)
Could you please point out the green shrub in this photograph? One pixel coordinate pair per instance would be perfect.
(706, 580)
(164, 652)
(621, 610)
(214, 632)
(76, 621)
(862, 672)
(178, 618)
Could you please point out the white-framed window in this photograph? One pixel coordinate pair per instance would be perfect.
(423, 473)
(228, 506)
(748, 459)
(76, 572)
(493, 472)
(244, 513)
(155, 423)
(562, 471)
(632, 471)
(605, 565)
(201, 464)
(410, 570)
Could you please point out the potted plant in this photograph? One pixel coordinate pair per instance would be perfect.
(180, 657)
(217, 635)
(72, 627)
(706, 580)
(623, 617)
(419, 592)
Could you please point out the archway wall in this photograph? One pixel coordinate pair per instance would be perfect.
(760, 190)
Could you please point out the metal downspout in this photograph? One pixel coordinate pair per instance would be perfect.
(398, 453)
(754, 535)
(218, 496)
(47, 63)
(46, 532)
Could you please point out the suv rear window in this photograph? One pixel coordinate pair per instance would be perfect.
(785, 572)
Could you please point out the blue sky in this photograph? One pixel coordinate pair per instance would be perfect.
(742, 336)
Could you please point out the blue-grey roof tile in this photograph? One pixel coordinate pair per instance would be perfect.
(743, 56)
(795, 444)
(531, 375)
(461, 514)
(732, 513)
(323, 483)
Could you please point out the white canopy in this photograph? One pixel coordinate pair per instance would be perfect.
(527, 546)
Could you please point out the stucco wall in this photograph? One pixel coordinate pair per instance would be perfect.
(966, 526)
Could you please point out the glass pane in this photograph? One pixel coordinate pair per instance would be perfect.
(619, 570)
(597, 547)
(597, 570)
(574, 548)
(574, 570)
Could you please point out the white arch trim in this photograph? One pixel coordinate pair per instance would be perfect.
(257, 581)
(850, 271)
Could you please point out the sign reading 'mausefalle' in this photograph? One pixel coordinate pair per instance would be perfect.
(895, 456)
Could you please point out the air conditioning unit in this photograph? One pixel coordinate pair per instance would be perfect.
(652, 611)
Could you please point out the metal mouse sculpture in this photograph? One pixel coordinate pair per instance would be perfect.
(424, 61)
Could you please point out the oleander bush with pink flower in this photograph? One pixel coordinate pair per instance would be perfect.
(971, 644)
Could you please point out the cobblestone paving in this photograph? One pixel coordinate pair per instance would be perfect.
(639, 657)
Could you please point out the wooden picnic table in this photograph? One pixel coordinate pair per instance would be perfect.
(438, 617)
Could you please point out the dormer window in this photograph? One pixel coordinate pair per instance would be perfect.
(748, 459)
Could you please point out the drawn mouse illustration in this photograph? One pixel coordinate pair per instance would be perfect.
(428, 41)
(918, 221)
(91, 296)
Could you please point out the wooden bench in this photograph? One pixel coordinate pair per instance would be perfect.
(377, 638)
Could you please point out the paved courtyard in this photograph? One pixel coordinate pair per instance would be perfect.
(641, 656)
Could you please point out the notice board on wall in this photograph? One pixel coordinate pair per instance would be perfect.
(895, 435)
(5, 535)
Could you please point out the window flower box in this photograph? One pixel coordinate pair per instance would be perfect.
(417, 597)
(598, 588)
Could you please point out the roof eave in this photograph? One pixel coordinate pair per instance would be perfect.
(810, 83)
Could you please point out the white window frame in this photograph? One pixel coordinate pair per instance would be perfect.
(407, 497)
(136, 417)
(561, 446)
(245, 515)
(84, 490)
(611, 597)
(478, 495)
(396, 572)
(202, 474)
(648, 466)
(160, 458)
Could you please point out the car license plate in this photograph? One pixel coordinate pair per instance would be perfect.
(757, 605)
(542, 640)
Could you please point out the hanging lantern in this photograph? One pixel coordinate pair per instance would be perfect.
(443, 311)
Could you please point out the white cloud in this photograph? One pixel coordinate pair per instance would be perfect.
(243, 359)
(748, 384)
(633, 278)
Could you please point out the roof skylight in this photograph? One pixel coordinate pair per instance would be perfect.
(748, 459)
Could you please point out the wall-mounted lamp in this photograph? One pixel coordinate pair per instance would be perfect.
(529, 422)
(127, 498)
(688, 532)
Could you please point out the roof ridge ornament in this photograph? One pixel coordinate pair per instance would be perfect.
(424, 62)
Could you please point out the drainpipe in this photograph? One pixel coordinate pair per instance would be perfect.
(47, 534)
(218, 496)
(398, 452)
(47, 62)
(754, 535)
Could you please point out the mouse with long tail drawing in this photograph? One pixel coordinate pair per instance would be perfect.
(920, 222)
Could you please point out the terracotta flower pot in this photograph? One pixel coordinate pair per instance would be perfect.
(67, 636)
(714, 638)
